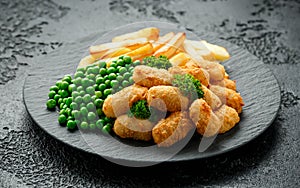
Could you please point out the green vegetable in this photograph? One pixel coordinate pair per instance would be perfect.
(56, 97)
(100, 123)
(84, 125)
(188, 86)
(51, 103)
(107, 128)
(71, 124)
(91, 116)
(54, 88)
(99, 103)
(90, 106)
(87, 98)
(140, 110)
(161, 62)
(127, 59)
(92, 126)
(51, 94)
(84, 112)
(90, 90)
(64, 85)
(62, 119)
(102, 87)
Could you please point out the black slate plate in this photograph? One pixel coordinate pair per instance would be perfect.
(255, 82)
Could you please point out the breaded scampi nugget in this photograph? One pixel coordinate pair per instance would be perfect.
(212, 100)
(120, 102)
(230, 84)
(172, 129)
(198, 73)
(207, 123)
(150, 76)
(167, 98)
(228, 116)
(228, 97)
(126, 127)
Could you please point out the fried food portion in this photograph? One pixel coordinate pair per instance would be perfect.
(172, 129)
(180, 59)
(228, 116)
(226, 82)
(167, 98)
(162, 40)
(212, 100)
(219, 52)
(150, 33)
(141, 52)
(126, 127)
(172, 46)
(120, 102)
(198, 73)
(150, 76)
(207, 123)
(228, 97)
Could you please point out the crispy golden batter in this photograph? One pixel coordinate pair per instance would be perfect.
(198, 73)
(228, 116)
(149, 76)
(120, 102)
(212, 100)
(172, 129)
(228, 97)
(230, 84)
(167, 98)
(208, 124)
(137, 129)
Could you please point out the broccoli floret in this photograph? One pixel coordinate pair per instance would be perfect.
(140, 110)
(160, 62)
(188, 85)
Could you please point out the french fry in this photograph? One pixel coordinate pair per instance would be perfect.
(141, 52)
(99, 50)
(180, 59)
(162, 41)
(150, 33)
(172, 46)
(202, 50)
(189, 49)
(115, 52)
(87, 60)
(220, 53)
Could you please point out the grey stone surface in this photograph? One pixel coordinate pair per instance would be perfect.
(31, 28)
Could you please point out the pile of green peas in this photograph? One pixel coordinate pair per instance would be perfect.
(80, 99)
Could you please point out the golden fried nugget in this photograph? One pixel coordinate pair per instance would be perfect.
(126, 127)
(230, 84)
(198, 73)
(207, 123)
(120, 102)
(167, 98)
(228, 97)
(172, 129)
(228, 116)
(150, 76)
(212, 99)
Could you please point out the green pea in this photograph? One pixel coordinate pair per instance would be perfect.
(112, 76)
(82, 93)
(107, 92)
(91, 76)
(114, 83)
(89, 70)
(92, 126)
(130, 69)
(64, 85)
(79, 88)
(77, 81)
(65, 106)
(95, 70)
(70, 118)
(65, 100)
(92, 82)
(91, 116)
(113, 64)
(51, 103)
(79, 74)
(77, 121)
(120, 62)
(76, 114)
(127, 59)
(99, 80)
(51, 94)
(84, 125)
(64, 93)
(111, 70)
(78, 99)
(90, 90)
(105, 78)
(69, 101)
(102, 71)
(62, 119)
(102, 64)
(90, 106)
(60, 100)
(136, 63)
(93, 97)
(74, 106)
(85, 82)
(75, 94)
(84, 112)
(99, 112)
(99, 103)
(54, 88)
(122, 70)
(87, 98)
(58, 83)
(98, 94)
(120, 78)
(125, 83)
(56, 97)
(131, 81)
(71, 124)
(100, 123)
(107, 83)
(106, 129)
(126, 75)
(82, 69)
(107, 120)
(68, 111)
(63, 111)
(121, 57)
(68, 79)
(82, 105)
(102, 87)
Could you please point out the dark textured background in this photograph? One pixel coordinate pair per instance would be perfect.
(29, 157)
